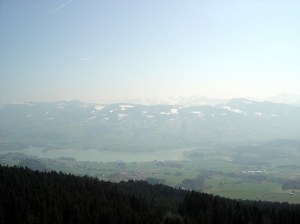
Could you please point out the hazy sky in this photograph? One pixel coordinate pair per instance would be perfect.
(106, 50)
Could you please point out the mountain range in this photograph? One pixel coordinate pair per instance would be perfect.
(286, 98)
(175, 100)
(135, 127)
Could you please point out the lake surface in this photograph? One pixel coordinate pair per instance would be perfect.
(107, 156)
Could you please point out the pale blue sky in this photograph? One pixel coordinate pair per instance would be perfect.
(106, 50)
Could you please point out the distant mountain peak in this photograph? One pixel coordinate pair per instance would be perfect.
(286, 98)
(240, 101)
(176, 100)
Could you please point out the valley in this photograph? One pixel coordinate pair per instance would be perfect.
(240, 149)
(255, 173)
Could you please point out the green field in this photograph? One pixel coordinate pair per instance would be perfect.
(256, 174)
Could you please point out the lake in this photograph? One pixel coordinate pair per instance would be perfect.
(108, 156)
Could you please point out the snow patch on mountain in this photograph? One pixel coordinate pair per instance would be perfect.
(199, 113)
(122, 116)
(125, 107)
(258, 114)
(175, 100)
(174, 111)
(61, 106)
(91, 118)
(85, 106)
(149, 116)
(99, 107)
(234, 110)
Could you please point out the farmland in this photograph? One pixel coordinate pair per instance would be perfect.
(255, 173)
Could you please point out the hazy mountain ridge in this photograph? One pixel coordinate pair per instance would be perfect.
(75, 124)
(286, 98)
(176, 100)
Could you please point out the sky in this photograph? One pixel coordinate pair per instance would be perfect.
(102, 51)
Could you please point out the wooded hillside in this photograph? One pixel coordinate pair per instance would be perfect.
(28, 196)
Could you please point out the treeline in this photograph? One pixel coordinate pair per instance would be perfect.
(204, 208)
(28, 196)
(290, 167)
(291, 184)
(244, 176)
(33, 164)
(168, 164)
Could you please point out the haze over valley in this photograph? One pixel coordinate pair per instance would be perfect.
(150, 111)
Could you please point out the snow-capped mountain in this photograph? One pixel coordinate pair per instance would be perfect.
(75, 124)
(175, 100)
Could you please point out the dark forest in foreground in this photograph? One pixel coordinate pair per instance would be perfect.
(28, 196)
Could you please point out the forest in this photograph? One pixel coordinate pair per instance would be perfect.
(28, 196)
